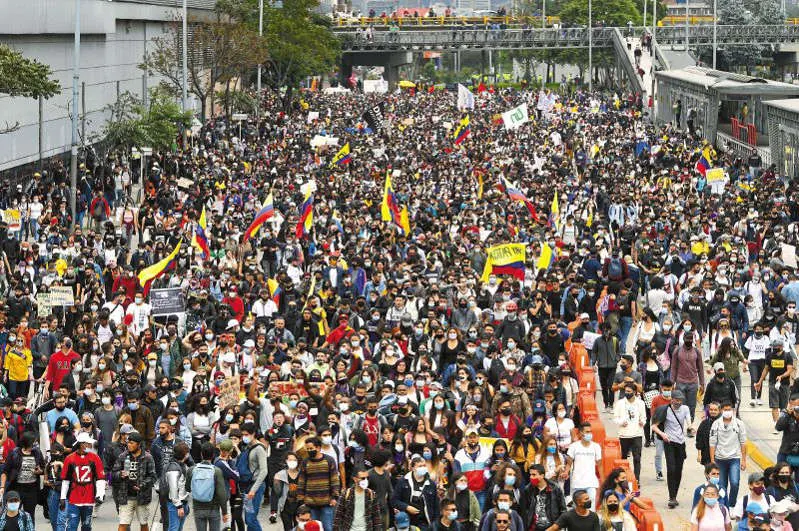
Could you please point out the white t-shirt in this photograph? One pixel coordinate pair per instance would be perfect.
(584, 460)
(562, 431)
(141, 317)
(757, 347)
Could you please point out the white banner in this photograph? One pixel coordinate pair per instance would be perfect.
(515, 117)
(465, 98)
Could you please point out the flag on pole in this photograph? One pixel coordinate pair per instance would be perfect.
(274, 290)
(148, 274)
(515, 194)
(462, 131)
(200, 238)
(465, 98)
(342, 157)
(703, 164)
(546, 257)
(306, 216)
(266, 212)
(479, 185)
(515, 117)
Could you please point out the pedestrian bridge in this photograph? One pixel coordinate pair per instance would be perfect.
(526, 38)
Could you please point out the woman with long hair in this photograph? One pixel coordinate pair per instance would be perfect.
(709, 514)
(617, 482)
(523, 450)
(560, 426)
(612, 516)
(555, 464)
(468, 506)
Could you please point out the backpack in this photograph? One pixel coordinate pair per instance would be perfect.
(243, 466)
(203, 482)
(163, 484)
(615, 269)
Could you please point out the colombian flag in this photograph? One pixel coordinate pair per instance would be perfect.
(514, 194)
(546, 258)
(342, 157)
(266, 212)
(306, 216)
(506, 259)
(703, 164)
(390, 209)
(274, 290)
(148, 274)
(462, 131)
(554, 212)
(200, 239)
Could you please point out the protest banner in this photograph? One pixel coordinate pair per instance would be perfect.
(229, 392)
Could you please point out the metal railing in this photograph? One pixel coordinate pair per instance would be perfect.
(553, 38)
(740, 148)
(620, 45)
(438, 21)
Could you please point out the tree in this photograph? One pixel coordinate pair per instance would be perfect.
(219, 52)
(133, 124)
(731, 58)
(605, 12)
(26, 78)
(299, 41)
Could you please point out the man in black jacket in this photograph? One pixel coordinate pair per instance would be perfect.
(542, 501)
(703, 431)
(720, 389)
(788, 424)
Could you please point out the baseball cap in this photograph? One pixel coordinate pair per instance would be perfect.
(84, 437)
(754, 508)
(401, 520)
(584, 316)
(126, 429)
(718, 366)
(12, 495)
(537, 360)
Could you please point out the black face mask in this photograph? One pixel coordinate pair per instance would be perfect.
(613, 507)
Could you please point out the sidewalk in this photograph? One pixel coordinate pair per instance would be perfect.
(762, 449)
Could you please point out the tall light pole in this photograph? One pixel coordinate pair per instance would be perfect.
(73, 174)
(645, 10)
(715, 44)
(687, 24)
(185, 94)
(260, 34)
(543, 14)
(590, 49)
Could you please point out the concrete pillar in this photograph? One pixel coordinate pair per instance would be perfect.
(344, 74)
(392, 76)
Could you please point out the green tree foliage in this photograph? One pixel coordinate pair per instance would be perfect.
(606, 12)
(299, 41)
(219, 52)
(132, 124)
(26, 78)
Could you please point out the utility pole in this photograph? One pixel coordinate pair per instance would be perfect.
(260, 34)
(185, 40)
(645, 10)
(590, 48)
(73, 174)
(687, 24)
(715, 44)
(543, 14)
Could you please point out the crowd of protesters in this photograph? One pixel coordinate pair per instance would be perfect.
(392, 379)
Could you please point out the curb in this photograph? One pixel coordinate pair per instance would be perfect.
(758, 457)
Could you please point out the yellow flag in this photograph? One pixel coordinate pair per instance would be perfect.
(555, 206)
(385, 209)
(545, 259)
(405, 221)
(157, 269)
(479, 185)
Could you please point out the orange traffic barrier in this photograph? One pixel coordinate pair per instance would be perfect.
(587, 379)
(586, 402)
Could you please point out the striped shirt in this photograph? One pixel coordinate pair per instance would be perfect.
(319, 482)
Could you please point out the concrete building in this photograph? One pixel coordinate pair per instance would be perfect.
(114, 37)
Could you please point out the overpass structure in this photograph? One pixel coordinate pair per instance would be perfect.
(392, 48)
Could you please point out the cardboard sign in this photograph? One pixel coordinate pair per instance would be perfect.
(12, 218)
(167, 301)
(714, 175)
(284, 389)
(229, 392)
(789, 255)
(61, 296)
(589, 338)
(43, 304)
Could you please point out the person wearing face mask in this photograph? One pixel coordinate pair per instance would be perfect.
(703, 432)
(669, 422)
(542, 501)
(320, 484)
(416, 494)
(613, 516)
(141, 315)
(580, 517)
(605, 357)
(689, 374)
(14, 517)
(584, 456)
(630, 415)
(712, 478)
(511, 326)
(465, 503)
(501, 511)
(209, 488)
(357, 508)
(709, 514)
(286, 490)
(252, 469)
(142, 417)
(61, 364)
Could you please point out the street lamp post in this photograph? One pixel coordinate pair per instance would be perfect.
(715, 44)
(73, 173)
(646, 2)
(687, 24)
(185, 40)
(590, 49)
(260, 34)
(543, 14)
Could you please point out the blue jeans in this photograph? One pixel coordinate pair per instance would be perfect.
(625, 324)
(730, 470)
(78, 515)
(251, 516)
(324, 515)
(58, 518)
(175, 522)
(481, 498)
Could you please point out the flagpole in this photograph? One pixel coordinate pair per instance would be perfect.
(590, 50)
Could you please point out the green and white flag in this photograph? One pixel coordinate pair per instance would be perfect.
(515, 117)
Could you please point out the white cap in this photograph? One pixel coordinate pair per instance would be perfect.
(233, 323)
(84, 437)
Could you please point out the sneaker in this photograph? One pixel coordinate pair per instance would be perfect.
(659, 476)
(672, 503)
(273, 518)
(752, 403)
(759, 402)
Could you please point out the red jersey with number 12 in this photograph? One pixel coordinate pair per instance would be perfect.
(82, 471)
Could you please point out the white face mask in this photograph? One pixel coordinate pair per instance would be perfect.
(561, 414)
(291, 464)
(421, 471)
(106, 400)
(364, 483)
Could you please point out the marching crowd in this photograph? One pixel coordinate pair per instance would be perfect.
(332, 370)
